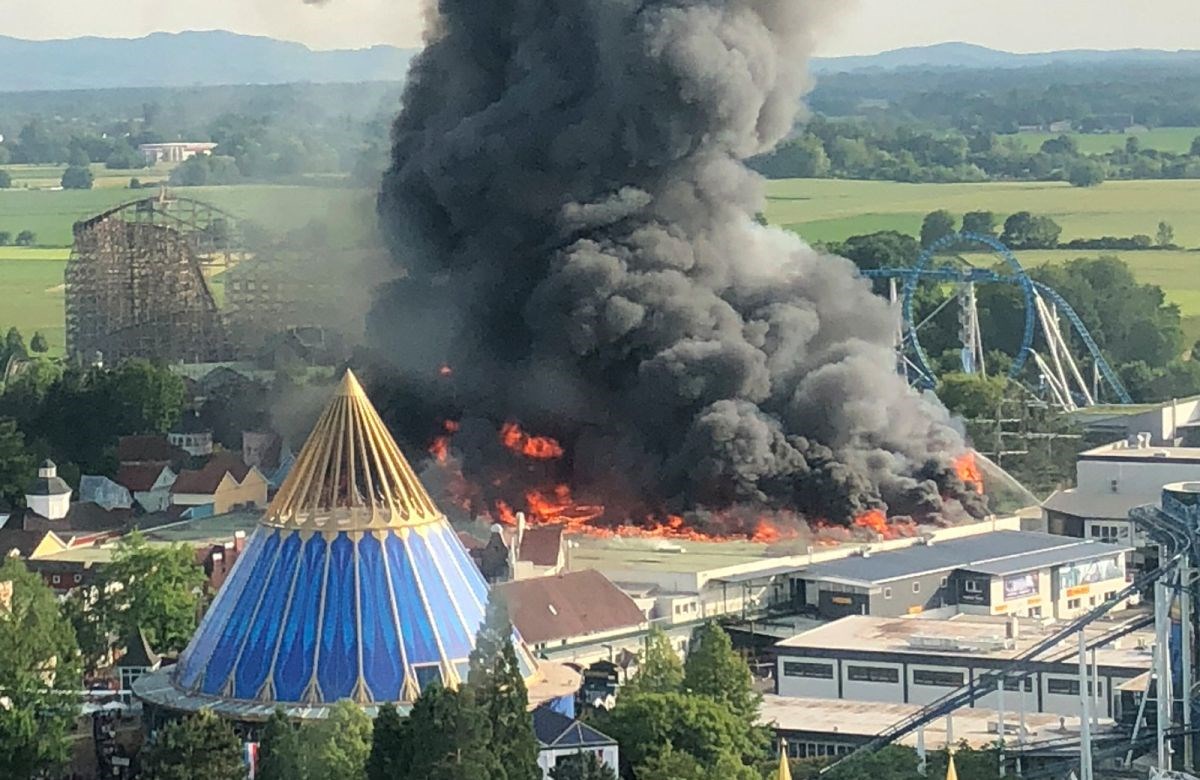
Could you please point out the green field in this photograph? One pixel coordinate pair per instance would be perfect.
(832, 210)
(1163, 139)
(50, 214)
(32, 284)
(43, 177)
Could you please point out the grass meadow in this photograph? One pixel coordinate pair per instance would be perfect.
(1163, 139)
(832, 210)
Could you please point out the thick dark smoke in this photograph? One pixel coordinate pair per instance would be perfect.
(568, 200)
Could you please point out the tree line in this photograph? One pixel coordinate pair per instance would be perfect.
(857, 149)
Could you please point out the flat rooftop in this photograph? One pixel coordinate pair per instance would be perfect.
(866, 719)
(202, 532)
(1000, 552)
(865, 633)
(1124, 451)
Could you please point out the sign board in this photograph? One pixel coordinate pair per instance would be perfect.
(1020, 586)
(1076, 592)
(1089, 572)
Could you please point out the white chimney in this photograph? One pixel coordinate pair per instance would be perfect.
(1012, 628)
(520, 528)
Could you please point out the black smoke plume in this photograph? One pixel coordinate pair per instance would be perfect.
(568, 200)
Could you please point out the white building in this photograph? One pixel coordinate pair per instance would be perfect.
(1174, 423)
(49, 496)
(560, 737)
(919, 660)
(1112, 480)
(175, 152)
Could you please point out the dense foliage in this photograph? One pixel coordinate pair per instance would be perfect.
(39, 677)
(200, 747)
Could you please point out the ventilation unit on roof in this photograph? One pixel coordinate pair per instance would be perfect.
(960, 643)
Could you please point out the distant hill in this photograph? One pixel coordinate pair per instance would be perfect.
(968, 55)
(218, 58)
(186, 59)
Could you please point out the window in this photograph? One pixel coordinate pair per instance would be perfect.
(55, 579)
(945, 580)
(940, 679)
(972, 586)
(1016, 685)
(802, 669)
(916, 587)
(877, 674)
(1073, 603)
(887, 593)
(1035, 612)
(1068, 687)
(1112, 594)
(1062, 687)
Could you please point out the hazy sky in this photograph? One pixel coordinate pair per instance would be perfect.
(867, 26)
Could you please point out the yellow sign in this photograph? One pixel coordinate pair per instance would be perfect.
(840, 600)
(999, 608)
(1080, 590)
(1033, 601)
(915, 610)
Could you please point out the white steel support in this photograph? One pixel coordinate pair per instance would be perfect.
(1185, 673)
(1085, 721)
(1062, 395)
(921, 757)
(1162, 663)
(1000, 720)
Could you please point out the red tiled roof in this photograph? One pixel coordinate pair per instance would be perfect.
(148, 449)
(140, 477)
(205, 481)
(541, 546)
(546, 609)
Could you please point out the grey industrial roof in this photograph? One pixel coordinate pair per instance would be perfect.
(967, 552)
(1098, 506)
(1041, 560)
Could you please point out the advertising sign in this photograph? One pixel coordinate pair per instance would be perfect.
(1020, 586)
(1079, 574)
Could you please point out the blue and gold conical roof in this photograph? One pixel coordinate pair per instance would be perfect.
(354, 586)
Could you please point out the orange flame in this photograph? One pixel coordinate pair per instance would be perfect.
(874, 520)
(967, 469)
(536, 447)
(439, 448)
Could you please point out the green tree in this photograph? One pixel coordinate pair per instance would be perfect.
(659, 667)
(981, 222)
(937, 224)
(147, 397)
(16, 463)
(26, 238)
(124, 157)
(91, 629)
(1063, 144)
(447, 738)
(972, 395)
(14, 345)
(1086, 173)
(1025, 231)
(39, 676)
(645, 724)
(77, 177)
(1195, 150)
(388, 759)
(1166, 235)
(282, 750)
(5, 238)
(498, 689)
(713, 669)
(671, 765)
(38, 343)
(78, 156)
(155, 589)
(883, 249)
(581, 766)
(341, 743)
(5, 180)
(199, 747)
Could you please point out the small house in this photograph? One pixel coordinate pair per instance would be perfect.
(560, 737)
(149, 483)
(191, 435)
(224, 483)
(49, 496)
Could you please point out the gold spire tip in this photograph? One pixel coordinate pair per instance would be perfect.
(350, 387)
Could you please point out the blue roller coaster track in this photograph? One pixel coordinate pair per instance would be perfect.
(925, 271)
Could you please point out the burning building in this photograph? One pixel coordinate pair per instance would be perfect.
(592, 322)
(136, 285)
(353, 586)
